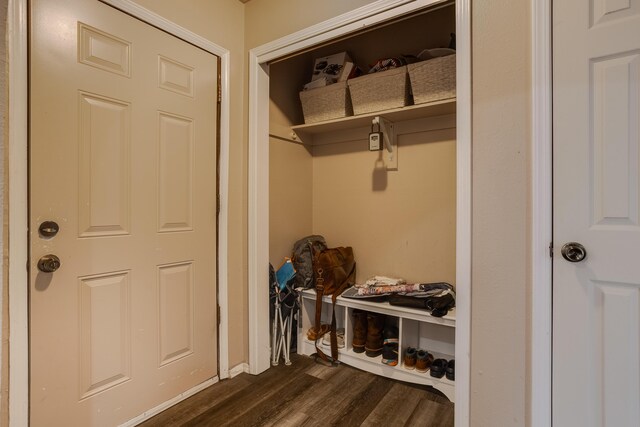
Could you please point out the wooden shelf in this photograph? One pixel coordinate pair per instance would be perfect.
(375, 365)
(386, 308)
(417, 328)
(306, 132)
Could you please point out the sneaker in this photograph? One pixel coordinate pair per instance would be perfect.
(390, 345)
(438, 367)
(450, 372)
(424, 360)
(326, 339)
(410, 358)
(390, 354)
(314, 335)
(390, 335)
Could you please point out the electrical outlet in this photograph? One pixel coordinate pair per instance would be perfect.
(375, 141)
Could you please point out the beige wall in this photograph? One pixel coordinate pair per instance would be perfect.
(4, 292)
(400, 223)
(222, 22)
(268, 20)
(290, 195)
(501, 185)
(501, 129)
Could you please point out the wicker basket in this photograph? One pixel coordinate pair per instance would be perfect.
(434, 79)
(326, 103)
(380, 91)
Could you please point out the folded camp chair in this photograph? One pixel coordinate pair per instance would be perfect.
(285, 305)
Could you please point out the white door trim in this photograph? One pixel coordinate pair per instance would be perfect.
(258, 261)
(18, 215)
(541, 203)
(464, 211)
(18, 179)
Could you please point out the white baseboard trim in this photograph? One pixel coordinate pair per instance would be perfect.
(169, 403)
(238, 369)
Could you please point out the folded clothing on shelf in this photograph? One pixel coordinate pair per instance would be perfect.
(382, 281)
(438, 298)
(415, 289)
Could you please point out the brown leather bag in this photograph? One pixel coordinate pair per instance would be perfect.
(335, 271)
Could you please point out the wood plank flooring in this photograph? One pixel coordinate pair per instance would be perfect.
(310, 394)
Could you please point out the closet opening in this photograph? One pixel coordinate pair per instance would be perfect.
(400, 208)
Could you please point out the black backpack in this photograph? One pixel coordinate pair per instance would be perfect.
(302, 259)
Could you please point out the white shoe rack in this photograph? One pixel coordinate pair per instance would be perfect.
(417, 328)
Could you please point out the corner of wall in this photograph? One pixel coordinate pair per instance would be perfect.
(4, 278)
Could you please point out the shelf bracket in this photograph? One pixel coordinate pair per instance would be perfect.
(390, 141)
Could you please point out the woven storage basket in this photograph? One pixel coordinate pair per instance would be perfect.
(326, 103)
(434, 79)
(380, 91)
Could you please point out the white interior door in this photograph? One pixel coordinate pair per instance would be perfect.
(123, 158)
(596, 115)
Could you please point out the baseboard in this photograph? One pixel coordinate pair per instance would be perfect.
(169, 403)
(238, 369)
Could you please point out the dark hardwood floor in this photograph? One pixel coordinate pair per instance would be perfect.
(310, 394)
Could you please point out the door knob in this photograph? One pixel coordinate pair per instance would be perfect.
(573, 252)
(48, 263)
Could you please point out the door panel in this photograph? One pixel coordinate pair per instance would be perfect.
(104, 166)
(175, 173)
(105, 332)
(175, 311)
(596, 302)
(123, 157)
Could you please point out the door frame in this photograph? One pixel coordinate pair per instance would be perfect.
(17, 24)
(541, 356)
(376, 12)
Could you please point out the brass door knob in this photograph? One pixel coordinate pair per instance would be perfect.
(49, 263)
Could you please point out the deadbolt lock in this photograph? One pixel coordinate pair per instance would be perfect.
(48, 229)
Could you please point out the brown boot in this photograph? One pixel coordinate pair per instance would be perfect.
(359, 330)
(375, 324)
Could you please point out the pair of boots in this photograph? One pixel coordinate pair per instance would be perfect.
(372, 337)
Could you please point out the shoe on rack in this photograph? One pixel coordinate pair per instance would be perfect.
(326, 339)
(424, 360)
(410, 358)
(390, 335)
(314, 335)
(390, 345)
(359, 330)
(374, 343)
(390, 354)
(438, 367)
(450, 372)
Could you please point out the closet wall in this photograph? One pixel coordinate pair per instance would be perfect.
(290, 197)
(399, 222)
